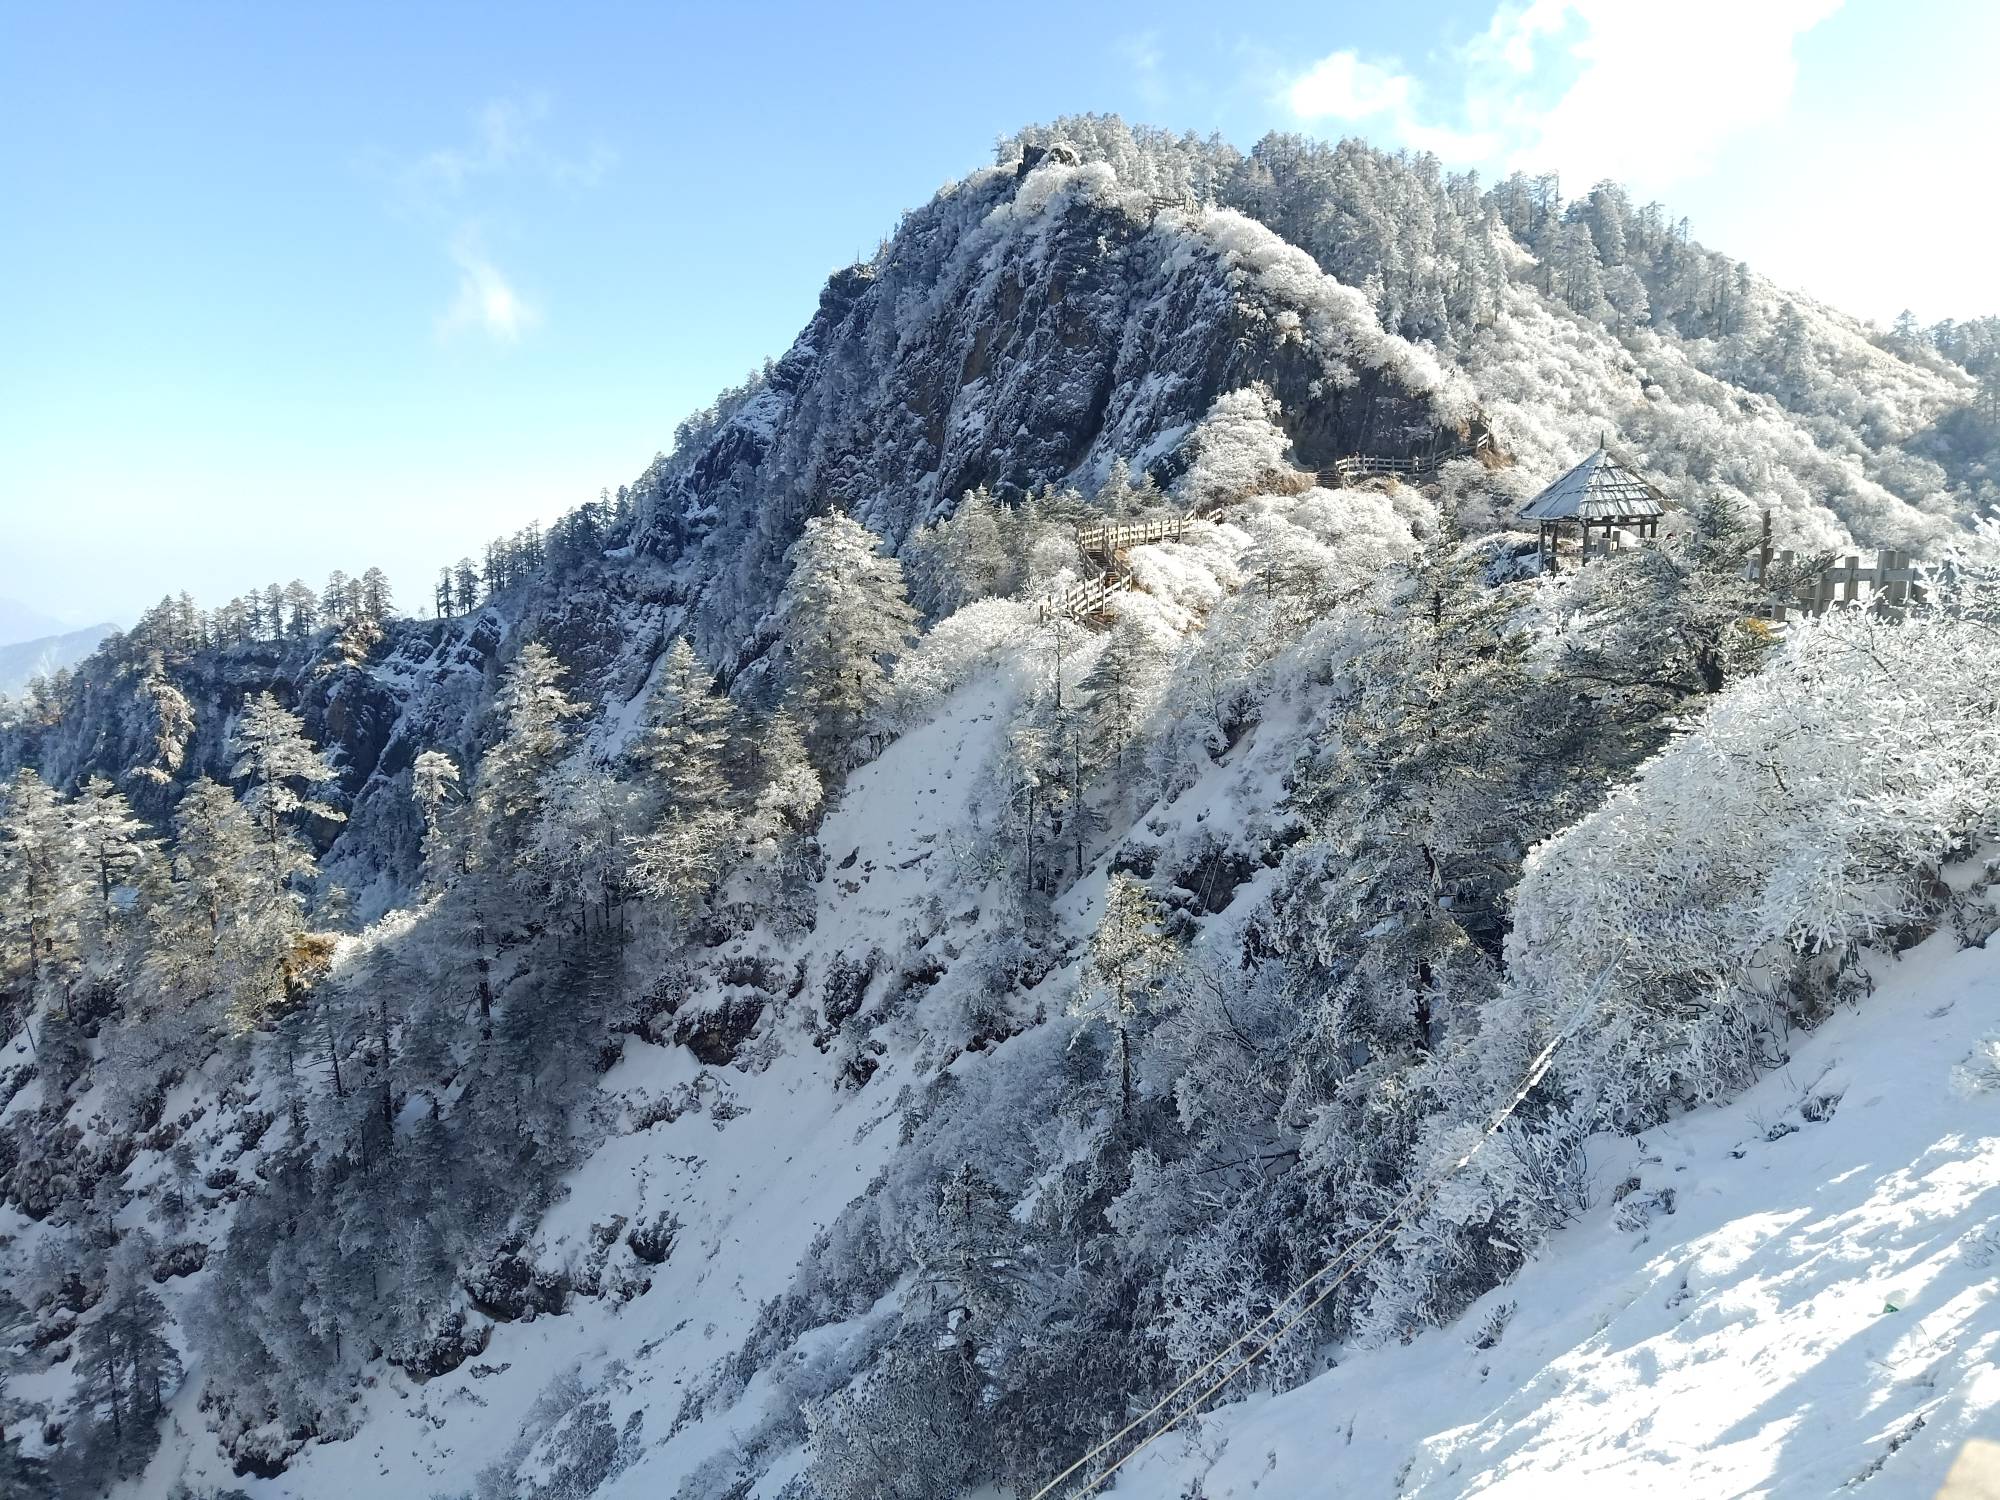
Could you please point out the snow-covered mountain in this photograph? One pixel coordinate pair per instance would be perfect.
(691, 1022)
(44, 656)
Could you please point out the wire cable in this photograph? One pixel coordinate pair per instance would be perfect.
(1345, 1263)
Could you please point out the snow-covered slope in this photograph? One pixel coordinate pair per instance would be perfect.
(851, 1161)
(1792, 1295)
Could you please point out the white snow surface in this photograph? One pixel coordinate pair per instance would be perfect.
(1741, 1344)
(1815, 1316)
(1816, 1312)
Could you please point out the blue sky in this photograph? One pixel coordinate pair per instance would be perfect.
(289, 288)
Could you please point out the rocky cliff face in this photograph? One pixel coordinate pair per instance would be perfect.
(1026, 330)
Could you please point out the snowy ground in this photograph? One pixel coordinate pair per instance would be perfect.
(751, 1184)
(1816, 1314)
(1813, 1312)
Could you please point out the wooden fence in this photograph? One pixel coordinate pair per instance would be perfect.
(1108, 538)
(1891, 583)
(1082, 598)
(1370, 466)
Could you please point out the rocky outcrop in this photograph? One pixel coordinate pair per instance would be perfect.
(1026, 328)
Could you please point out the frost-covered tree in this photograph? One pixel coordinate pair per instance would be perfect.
(1128, 957)
(283, 769)
(301, 610)
(964, 557)
(688, 804)
(842, 619)
(582, 841)
(114, 855)
(1411, 791)
(688, 731)
(440, 797)
(534, 713)
(775, 838)
(1121, 691)
(40, 894)
(231, 940)
(1659, 626)
(128, 1365)
(1578, 273)
(376, 601)
(170, 724)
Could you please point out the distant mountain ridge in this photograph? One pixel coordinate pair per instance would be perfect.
(24, 661)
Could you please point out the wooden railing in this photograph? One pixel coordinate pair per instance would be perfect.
(1370, 465)
(1107, 539)
(1085, 597)
(1891, 583)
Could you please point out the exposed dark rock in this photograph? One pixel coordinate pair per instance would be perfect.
(714, 1036)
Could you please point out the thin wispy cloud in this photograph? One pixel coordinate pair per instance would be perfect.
(1142, 53)
(463, 189)
(507, 137)
(1593, 88)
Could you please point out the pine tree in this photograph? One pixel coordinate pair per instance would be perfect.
(39, 894)
(336, 600)
(534, 714)
(683, 851)
(218, 938)
(128, 1365)
(283, 768)
(20, 1474)
(111, 851)
(841, 619)
(788, 792)
(1129, 956)
(435, 787)
(582, 841)
(1662, 625)
(170, 724)
(1120, 692)
(972, 1262)
(1419, 792)
(974, 552)
(302, 610)
(375, 600)
(688, 730)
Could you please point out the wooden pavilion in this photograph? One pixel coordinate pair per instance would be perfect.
(1599, 492)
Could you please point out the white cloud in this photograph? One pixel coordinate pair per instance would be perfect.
(1347, 87)
(1589, 88)
(1342, 86)
(486, 302)
(507, 136)
(1653, 93)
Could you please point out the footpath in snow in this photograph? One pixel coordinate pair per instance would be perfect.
(1797, 1300)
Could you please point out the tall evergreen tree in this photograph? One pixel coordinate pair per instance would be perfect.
(534, 714)
(283, 768)
(842, 618)
(128, 1364)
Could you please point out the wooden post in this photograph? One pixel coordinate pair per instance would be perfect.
(1894, 589)
(1850, 590)
(1764, 549)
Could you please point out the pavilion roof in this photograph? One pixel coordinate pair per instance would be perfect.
(1598, 489)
